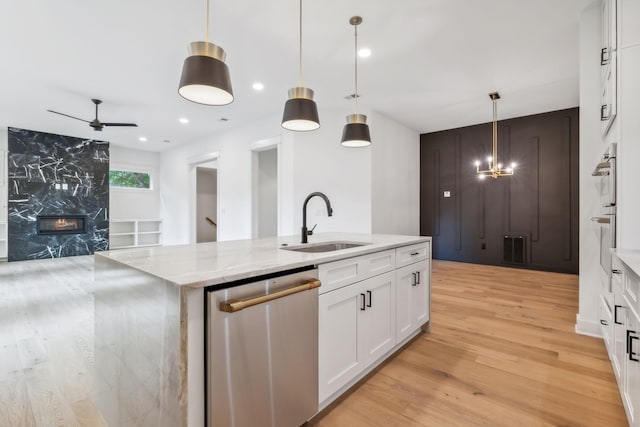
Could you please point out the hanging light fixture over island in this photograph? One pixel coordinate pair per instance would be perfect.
(356, 131)
(495, 169)
(205, 76)
(300, 110)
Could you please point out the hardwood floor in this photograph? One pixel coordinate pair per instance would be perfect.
(46, 343)
(502, 351)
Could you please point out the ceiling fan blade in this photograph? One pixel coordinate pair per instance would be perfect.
(121, 124)
(66, 115)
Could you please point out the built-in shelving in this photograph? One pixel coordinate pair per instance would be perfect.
(3, 240)
(135, 233)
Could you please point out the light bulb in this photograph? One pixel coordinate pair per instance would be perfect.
(477, 163)
(481, 177)
(509, 170)
(499, 165)
(513, 165)
(489, 159)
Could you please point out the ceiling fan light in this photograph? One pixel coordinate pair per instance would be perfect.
(205, 76)
(356, 132)
(300, 111)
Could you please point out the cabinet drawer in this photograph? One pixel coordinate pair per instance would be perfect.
(335, 275)
(631, 287)
(409, 254)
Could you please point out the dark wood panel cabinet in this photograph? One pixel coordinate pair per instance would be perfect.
(469, 218)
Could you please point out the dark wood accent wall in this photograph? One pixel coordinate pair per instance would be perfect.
(540, 202)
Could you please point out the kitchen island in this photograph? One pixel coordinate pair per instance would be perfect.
(151, 314)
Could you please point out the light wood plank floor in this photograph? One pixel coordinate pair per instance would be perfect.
(502, 352)
(46, 343)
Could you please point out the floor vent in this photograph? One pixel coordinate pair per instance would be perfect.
(513, 250)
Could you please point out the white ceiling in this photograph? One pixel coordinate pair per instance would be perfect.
(433, 61)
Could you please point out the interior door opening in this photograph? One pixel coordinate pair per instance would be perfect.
(207, 202)
(265, 193)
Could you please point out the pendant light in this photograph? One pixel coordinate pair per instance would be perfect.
(205, 76)
(494, 168)
(356, 131)
(300, 110)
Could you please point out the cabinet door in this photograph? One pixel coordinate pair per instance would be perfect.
(377, 323)
(412, 298)
(339, 353)
(631, 387)
(619, 333)
(606, 325)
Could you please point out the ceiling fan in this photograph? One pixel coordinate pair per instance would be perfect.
(95, 123)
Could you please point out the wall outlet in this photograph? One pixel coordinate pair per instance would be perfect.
(447, 194)
(483, 246)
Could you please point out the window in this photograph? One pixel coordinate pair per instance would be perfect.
(127, 179)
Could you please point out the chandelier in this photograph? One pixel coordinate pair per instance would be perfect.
(494, 168)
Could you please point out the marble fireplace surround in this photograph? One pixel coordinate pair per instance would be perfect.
(56, 175)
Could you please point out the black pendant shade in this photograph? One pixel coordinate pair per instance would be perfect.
(300, 111)
(356, 132)
(205, 76)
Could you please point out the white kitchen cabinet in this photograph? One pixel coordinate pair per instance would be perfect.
(412, 298)
(341, 273)
(356, 327)
(619, 328)
(631, 379)
(609, 63)
(606, 324)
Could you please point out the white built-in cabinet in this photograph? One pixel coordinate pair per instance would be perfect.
(3, 205)
(609, 63)
(369, 306)
(135, 233)
(412, 289)
(624, 351)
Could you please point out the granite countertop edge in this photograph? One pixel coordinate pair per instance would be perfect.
(209, 264)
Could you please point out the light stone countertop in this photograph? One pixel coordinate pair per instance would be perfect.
(630, 257)
(207, 264)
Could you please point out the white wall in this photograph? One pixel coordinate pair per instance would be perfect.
(232, 149)
(134, 203)
(591, 149)
(628, 124)
(343, 174)
(395, 180)
(307, 162)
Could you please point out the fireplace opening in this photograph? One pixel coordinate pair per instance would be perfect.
(62, 224)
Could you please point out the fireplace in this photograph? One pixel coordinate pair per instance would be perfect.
(62, 224)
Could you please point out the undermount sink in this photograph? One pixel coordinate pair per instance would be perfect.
(324, 246)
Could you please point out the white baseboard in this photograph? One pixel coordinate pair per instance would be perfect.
(587, 327)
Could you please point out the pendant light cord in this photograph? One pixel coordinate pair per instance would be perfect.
(495, 134)
(206, 35)
(300, 49)
(355, 27)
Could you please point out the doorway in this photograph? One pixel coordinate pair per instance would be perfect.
(265, 192)
(207, 202)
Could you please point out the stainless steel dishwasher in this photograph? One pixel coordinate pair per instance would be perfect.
(262, 351)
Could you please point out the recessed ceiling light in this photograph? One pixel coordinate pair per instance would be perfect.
(258, 86)
(183, 120)
(365, 52)
(142, 139)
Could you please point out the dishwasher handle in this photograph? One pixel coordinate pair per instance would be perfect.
(232, 306)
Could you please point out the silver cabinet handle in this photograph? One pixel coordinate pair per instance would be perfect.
(418, 274)
(232, 306)
(614, 271)
(415, 253)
